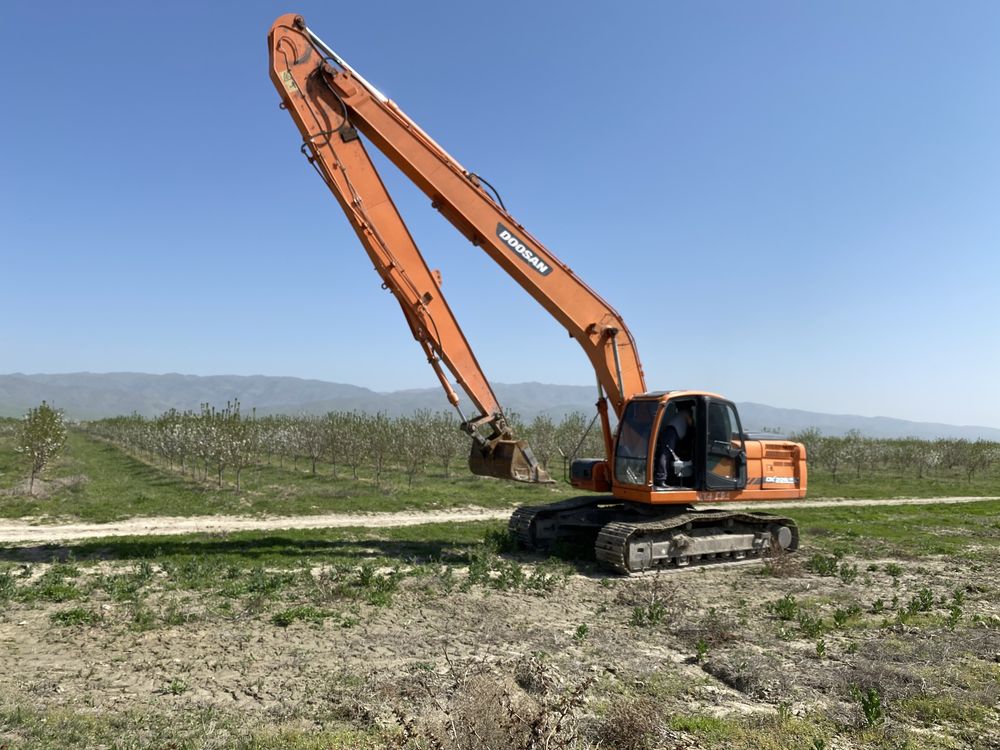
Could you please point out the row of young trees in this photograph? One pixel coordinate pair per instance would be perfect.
(213, 441)
(862, 456)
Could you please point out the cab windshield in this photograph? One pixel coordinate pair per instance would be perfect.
(632, 453)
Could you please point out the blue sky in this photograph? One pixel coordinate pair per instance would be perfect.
(790, 203)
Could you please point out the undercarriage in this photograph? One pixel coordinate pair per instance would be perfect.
(633, 538)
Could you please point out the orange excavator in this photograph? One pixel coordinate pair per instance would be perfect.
(668, 455)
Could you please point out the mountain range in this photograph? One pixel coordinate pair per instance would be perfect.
(84, 395)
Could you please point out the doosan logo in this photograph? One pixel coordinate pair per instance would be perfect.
(522, 250)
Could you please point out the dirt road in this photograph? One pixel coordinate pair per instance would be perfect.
(20, 532)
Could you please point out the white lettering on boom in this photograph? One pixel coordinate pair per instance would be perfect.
(522, 250)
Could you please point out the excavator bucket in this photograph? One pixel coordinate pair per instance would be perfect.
(506, 459)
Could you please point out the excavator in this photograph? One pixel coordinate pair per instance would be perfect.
(671, 457)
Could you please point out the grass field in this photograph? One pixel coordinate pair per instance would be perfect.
(96, 481)
(105, 484)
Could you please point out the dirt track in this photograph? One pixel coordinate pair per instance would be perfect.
(16, 532)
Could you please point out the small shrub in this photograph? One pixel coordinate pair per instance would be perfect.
(922, 602)
(870, 703)
(651, 614)
(847, 573)
(177, 687)
(894, 570)
(701, 649)
(631, 724)
(811, 626)
(842, 616)
(785, 608)
(954, 615)
(824, 565)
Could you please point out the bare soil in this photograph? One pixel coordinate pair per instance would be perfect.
(718, 649)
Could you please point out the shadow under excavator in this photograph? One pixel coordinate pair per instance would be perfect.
(271, 547)
(279, 549)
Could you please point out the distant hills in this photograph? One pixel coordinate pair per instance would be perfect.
(85, 395)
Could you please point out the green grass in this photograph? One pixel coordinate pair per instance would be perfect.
(965, 529)
(883, 484)
(29, 728)
(121, 486)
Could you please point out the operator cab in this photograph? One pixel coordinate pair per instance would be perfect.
(680, 442)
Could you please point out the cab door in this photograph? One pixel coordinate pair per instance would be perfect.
(725, 454)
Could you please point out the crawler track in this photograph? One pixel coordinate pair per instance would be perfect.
(630, 538)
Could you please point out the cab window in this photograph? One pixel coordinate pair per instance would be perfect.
(632, 453)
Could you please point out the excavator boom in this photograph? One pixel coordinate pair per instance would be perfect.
(331, 104)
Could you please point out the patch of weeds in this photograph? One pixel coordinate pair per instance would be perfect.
(125, 587)
(177, 687)
(303, 612)
(74, 616)
(878, 606)
(7, 586)
(820, 648)
(954, 615)
(446, 578)
(377, 588)
(848, 573)
(870, 702)
(173, 614)
(52, 586)
(958, 597)
(581, 632)
(784, 608)
(842, 616)
(932, 710)
(142, 618)
(509, 575)
(500, 541)
(701, 649)
(253, 581)
(824, 565)
(894, 570)
(651, 614)
(810, 626)
(348, 621)
(706, 727)
(922, 602)
(548, 576)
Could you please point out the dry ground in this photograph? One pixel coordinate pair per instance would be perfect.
(806, 652)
